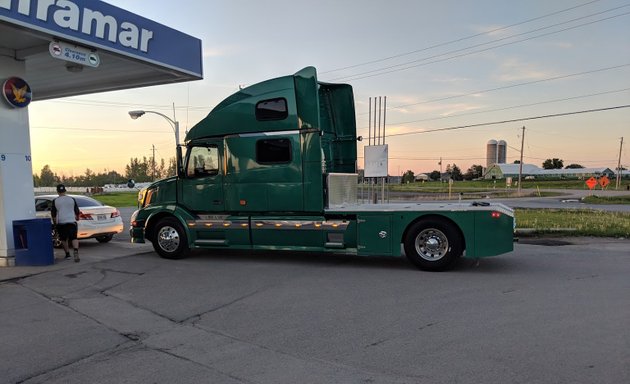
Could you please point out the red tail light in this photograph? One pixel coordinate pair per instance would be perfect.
(84, 216)
(496, 215)
(115, 214)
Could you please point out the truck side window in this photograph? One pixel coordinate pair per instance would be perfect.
(203, 161)
(273, 151)
(272, 109)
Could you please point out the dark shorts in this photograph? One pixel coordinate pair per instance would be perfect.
(67, 231)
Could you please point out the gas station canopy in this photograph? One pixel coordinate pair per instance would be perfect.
(80, 46)
(58, 48)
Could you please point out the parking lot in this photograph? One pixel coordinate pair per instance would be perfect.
(555, 311)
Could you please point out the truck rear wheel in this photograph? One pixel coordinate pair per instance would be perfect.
(433, 244)
(170, 240)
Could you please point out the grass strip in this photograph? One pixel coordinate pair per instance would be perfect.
(594, 199)
(574, 222)
(118, 199)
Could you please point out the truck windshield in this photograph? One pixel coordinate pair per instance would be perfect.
(203, 161)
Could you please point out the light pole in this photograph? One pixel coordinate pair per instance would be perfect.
(174, 123)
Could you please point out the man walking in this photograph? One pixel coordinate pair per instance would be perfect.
(65, 213)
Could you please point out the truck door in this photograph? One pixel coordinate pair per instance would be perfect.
(202, 185)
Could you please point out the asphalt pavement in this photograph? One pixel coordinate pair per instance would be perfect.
(552, 312)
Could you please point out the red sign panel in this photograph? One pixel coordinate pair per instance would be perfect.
(591, 183)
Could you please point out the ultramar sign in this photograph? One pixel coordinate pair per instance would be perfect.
(67, 14)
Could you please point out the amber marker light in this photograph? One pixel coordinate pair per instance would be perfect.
(259, 224)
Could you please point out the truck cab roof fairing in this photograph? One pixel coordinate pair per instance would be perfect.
(235, 115)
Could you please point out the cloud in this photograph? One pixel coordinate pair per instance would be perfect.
(492, 30)
(517, 70)
(450, 80)
(220, 51)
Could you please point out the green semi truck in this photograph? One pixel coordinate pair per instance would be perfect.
(273, 167)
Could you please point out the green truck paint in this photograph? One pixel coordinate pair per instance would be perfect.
(273, 167)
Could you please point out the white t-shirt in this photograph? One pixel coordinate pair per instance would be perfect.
(65, 209)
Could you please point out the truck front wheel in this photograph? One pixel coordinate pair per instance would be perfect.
(433, 244)
(170, 240)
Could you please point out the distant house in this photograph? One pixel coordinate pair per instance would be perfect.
(421, 177)
(501, 171)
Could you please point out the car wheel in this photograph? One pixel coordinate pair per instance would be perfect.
(170, 240)
(55, 239)
(104, 238)
(433, 244)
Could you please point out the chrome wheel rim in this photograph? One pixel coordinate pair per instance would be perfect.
(431, 244)
(168, 239)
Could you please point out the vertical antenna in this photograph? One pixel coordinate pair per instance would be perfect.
(384, 114)
(520, 166)
(370, 123)
(374, 120)
(618, 173)
(379, 120)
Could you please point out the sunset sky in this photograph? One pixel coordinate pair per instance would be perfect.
(446, 64)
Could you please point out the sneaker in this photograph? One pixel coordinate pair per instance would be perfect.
(67, 256)
(76, 256)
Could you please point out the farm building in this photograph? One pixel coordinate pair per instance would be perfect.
(501, 171)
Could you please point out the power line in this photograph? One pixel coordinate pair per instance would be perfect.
(96, 129)
(459, 39)
(390, 69)
(511, 120)
(100, 103)
(513, 107)
(513, 86)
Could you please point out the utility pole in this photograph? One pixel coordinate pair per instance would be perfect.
(153, 146)
(520, 165)
(618, 180)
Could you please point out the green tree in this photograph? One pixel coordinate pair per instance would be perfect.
(172, 167)
(47, 178)
(573, 166)
(408, 177)
(435, 175)
(474, 172)
(454, 172)
(554, 163)
(137, 170)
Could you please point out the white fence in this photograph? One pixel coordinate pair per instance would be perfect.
(107, 188)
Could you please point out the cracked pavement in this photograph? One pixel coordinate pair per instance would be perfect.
(541, 314)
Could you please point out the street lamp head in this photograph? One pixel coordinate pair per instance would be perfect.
(135, 114)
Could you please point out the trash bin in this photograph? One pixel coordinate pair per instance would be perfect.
(33, 242)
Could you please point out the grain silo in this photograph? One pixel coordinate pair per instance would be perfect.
(501, 151)
(491, 153)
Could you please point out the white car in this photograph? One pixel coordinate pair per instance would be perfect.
(96, 220)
